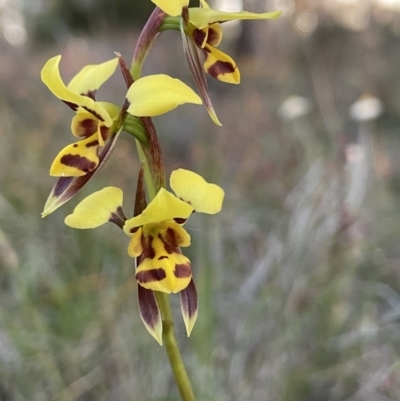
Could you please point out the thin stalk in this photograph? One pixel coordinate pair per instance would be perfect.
(151, 189)
(174, 354)
(154, 177)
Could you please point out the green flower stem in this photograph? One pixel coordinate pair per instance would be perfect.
(150, 154)
(132, 125)
(171, 24)
(174, 354)
(151, 189)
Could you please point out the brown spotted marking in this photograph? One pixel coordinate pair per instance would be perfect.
(221, 68)
(162, 257)
(149, 276)
(183, 271)
(79, 162)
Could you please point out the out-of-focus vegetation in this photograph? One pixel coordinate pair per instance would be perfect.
(298, 277)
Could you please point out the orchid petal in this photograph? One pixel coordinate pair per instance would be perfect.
(202, 17)
(150, 313)
(214, 35)
(67, 187)
(194, 189)
(171, 7)
(161, 266)
(98, 208)
(84, 124)
(189, 306)
(77, 159)
(135, 248)
(51, 78)
(220, 66)
(91, 77)
(164, 206)
(157, 94)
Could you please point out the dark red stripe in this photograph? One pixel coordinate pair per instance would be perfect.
(79, 162)
(221, 68)
(149, 276)
(182, 271)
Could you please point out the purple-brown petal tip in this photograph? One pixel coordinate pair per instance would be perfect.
(189, 306)
(150, 313)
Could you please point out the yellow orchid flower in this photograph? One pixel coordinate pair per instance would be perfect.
(93, 122)
(156, 238)
(201, 32)
(97, 124)
(203, 27)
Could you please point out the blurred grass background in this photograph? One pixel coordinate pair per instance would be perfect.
(298, 276)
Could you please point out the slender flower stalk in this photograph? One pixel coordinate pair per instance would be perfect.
(174, 354)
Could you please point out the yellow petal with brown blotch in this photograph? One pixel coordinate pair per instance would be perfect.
(220, 66)
(161, 265)
(214, 36)
(170, 274)
(84, 124)
(77, 159)
(96, 209)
